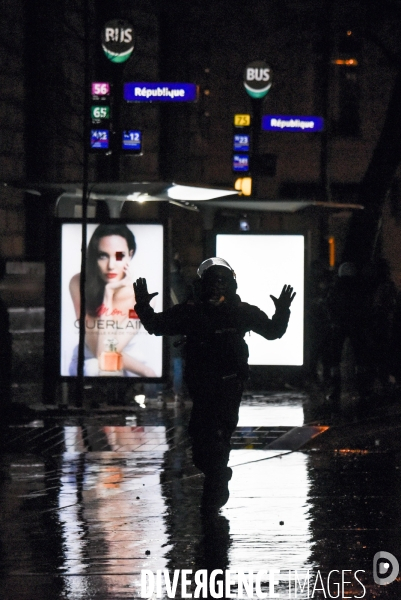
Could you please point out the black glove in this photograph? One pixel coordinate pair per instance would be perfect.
(286, 297)
(141, 292)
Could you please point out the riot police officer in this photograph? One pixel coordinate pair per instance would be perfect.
(214, 324)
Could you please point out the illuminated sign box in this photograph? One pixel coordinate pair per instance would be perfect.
(132, 140)
(241, 142)
(100, 89)
(160, 92)
(263, 263)
(240, 163)
(100, 112)
(116, 343)
(242, 120)
(292, 123)
(99, 139)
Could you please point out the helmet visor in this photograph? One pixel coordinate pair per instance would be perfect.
(213, 262)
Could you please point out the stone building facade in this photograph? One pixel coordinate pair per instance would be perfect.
(310, 47)
(12, 119)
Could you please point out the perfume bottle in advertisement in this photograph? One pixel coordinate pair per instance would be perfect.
(111, 361)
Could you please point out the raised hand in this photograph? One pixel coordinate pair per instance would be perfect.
(283, 302)
(141, 292)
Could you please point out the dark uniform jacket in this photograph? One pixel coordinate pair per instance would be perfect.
(214, 334)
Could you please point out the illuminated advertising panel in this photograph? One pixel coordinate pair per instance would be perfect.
(263, 264)
(160, 92)
(116, 344)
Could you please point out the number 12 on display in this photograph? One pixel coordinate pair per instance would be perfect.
(132, 140)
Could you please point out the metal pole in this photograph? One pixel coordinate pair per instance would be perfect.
(324, 79)
(255, 156)
(85, 185)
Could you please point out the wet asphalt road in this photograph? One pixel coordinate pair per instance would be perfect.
(88, 503)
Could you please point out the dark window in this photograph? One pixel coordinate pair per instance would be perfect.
(348, 120)
(295, 190)
(346, 108)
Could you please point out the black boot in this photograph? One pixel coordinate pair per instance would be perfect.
(215, 490)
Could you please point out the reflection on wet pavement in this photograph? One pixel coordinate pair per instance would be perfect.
(87, 504)
(271, 411)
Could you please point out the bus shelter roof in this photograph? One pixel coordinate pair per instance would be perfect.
(192, 197)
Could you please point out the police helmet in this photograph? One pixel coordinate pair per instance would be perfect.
(213, 262)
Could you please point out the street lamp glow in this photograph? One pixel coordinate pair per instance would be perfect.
(137, 197)
(187, 192)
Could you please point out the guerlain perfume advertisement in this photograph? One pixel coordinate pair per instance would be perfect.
(116, 343)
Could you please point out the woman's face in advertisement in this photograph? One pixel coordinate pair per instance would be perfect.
(112, 257)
